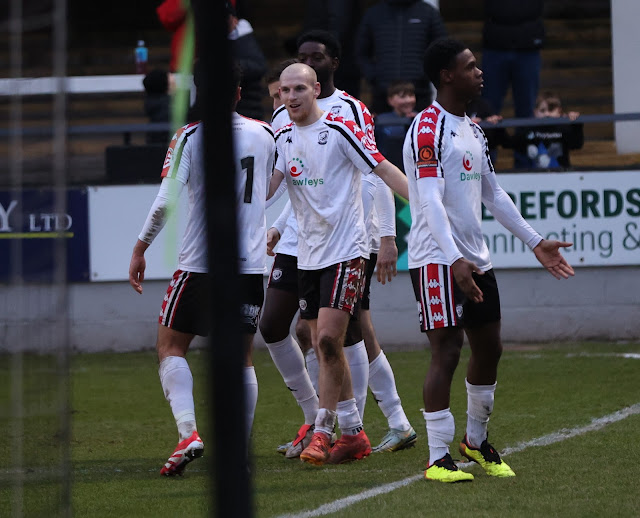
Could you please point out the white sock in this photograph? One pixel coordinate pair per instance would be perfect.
(383, 386)
(313, 367)
(358, 361)
(251, 395)
(325, 421)
(349, 419)
(289, 360)
(177, 384)
(479, 408)
(440, 431)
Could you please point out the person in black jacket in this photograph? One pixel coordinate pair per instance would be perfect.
(247, 53)
(512, 37)
(392, 39)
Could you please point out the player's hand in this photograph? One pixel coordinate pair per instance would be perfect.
(136, 271)
(386, 267)
(548, 253)
(273, 236)
(463, 271)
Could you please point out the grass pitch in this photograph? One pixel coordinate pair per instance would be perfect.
(123, 432)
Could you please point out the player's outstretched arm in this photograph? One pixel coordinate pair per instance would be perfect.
(386, 267)
(393, 177)
(276, 180)
(548, 253)
(138, 265)
(273, 236)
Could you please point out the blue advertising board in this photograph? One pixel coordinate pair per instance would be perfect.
(31, 230)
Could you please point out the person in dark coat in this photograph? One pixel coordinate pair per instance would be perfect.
(391, 41)
(157, 102)
(247, 53)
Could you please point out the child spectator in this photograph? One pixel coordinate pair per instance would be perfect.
(392, 126)
(547, 147)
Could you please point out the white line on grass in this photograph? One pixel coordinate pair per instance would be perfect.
(545, 440)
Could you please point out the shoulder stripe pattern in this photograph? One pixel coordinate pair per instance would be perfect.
(174, 153)
(277, 112)
(263, 124)
(356, 137)
(486, 145)
(283, 130)
(427, 159)
(361, 114)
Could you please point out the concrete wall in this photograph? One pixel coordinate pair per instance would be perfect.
(599, 303)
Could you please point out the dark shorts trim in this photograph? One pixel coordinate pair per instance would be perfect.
(368, 276)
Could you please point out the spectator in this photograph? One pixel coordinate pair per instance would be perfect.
(547, 147)
(392, 126)
(512, 37)
(249, 56)
(173, 17)
(157, 102)
(339, 17)
(391, 41)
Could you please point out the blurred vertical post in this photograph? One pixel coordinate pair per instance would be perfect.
(232, 496)
(60, 281)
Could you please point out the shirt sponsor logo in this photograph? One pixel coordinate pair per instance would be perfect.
(468, 177)
(296, 167)
(309, 182)
(323, 137)
(467, 161)
(427, 157)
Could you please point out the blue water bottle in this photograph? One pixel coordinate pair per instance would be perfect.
(142, 56)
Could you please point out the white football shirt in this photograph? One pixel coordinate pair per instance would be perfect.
(339, 103)
(322, 164)
(440, 145)
(254, 155)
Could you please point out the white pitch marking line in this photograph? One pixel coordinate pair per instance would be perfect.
(545, 440)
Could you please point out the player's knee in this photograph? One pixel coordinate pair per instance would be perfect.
(272, 330)
(329, 347)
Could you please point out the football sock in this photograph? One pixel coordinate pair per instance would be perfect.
(383, 386)
(325, 421)
(479, 408)
(251, 395)
(349, 419)
(313, 367)
(440, 431)
(177, 384)
(358, 361)
(289, 360)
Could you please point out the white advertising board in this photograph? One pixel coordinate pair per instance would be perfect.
(599, 212)
(116, 216)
